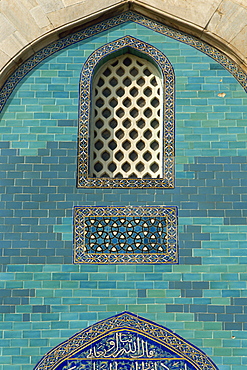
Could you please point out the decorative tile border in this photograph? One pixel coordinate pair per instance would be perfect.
(167, 180)
(126, 339)
(33, 61)
(127, 237)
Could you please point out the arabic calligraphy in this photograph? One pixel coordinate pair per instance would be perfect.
(126, 350)
(126, 365)
(123, 345)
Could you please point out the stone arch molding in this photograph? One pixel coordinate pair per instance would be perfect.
(18, 72)
(126, 44)
(28, 26)
(125, 341)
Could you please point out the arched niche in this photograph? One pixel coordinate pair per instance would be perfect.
(126, 44)
(125, 341)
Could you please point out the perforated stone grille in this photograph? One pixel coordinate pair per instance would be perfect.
(126, 128)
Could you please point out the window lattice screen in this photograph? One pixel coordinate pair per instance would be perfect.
(126, 128)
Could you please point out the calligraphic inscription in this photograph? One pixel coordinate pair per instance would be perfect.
(127, 365)
(125, 342)
(126, 350)
(125, 235)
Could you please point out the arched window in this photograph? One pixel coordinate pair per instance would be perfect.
(126, 117)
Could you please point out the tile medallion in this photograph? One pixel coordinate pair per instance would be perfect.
(114, 235)
(126, 341)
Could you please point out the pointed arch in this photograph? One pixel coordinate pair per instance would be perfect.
(95, 60)
(126, 341)
(19, 71)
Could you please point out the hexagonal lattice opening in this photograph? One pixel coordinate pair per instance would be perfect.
(126, 144)
(127, 61)
(113, 81)
(106, 113)
(154, 145)
(140, 167)
(120, 134)
(112, 145)
(106, 134)
(105, 155)
(141, 81)
(98, 167)
(147, 156)
(107, 72)
(112, 167)
(141, 123)
(113, 123)
(133, 155)
(148, 91)
(141, 102)
(154, 167)
(120, 112)
(119, 155)
(127, 102)
(106, 92)
(120, 92)
(120, 71)
(125, 166)
(134, 91)
(134, 72)
(99, 123)
(134, 112)
(126, 123)
(99, 102)
(98, 144)
(113, 102)
(140, 145)
(133, 134)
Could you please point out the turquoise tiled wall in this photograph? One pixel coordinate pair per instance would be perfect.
(45, 298)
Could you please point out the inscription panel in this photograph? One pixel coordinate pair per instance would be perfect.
(125, 342)
(126, 350)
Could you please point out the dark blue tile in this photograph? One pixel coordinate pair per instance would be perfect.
(234, 309)
(233, 326)
(225, 317)
(7, 309)
(195, 308)
(216, 309)
(191, 293)
(174, 308)
(241, 318)
(142, 292)
(206, 317)
(4, 144)
(200, 285)
(41, 309)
